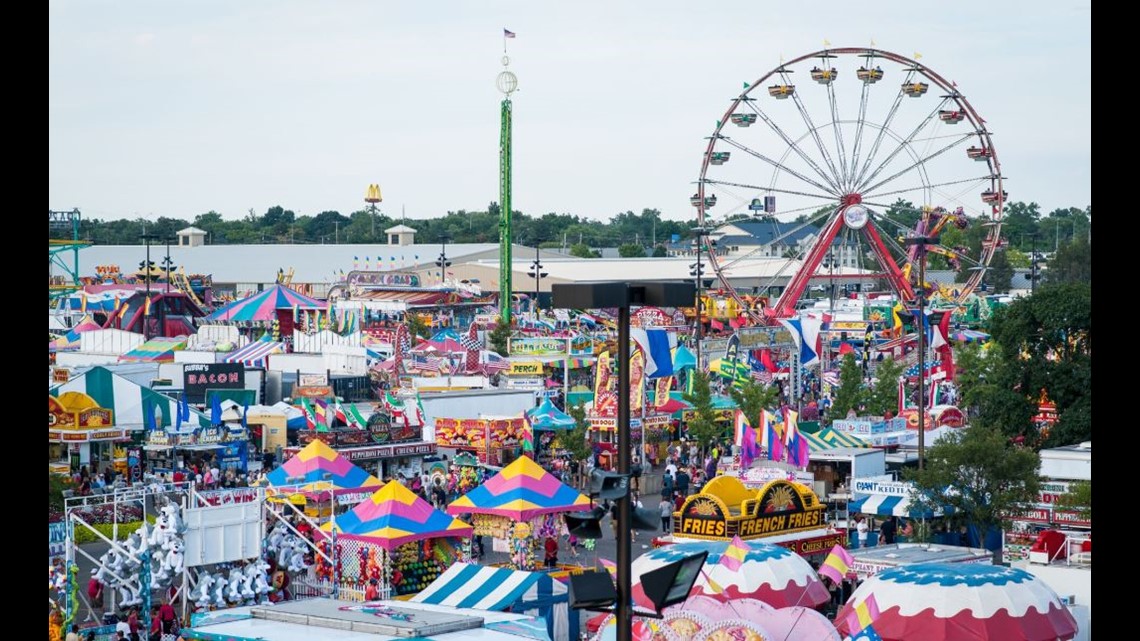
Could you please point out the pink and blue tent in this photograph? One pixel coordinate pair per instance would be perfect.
(263, 306)
(521, 491)
(393, 516)
(316, 461)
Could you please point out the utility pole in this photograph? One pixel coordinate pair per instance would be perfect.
(696, 270)
(336, 232)
(920, 330)
(1033, 265)
(146, 238)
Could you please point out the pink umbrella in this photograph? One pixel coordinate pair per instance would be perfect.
(961, 602)
(769, 573)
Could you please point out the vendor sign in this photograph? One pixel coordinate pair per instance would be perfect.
(816, 545)
(537, 346)
(199, 377)
(473, 433)
(780, 507)
(525, 368)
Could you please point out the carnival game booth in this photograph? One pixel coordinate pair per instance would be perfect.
(951, 602)
(521, 505)
(501, 589)
(392, 544)
(781, 513)
(493, 440)
(77, 423)
(316, 478)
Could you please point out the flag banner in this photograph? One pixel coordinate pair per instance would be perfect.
(837, 564)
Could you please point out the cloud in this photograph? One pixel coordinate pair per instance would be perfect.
(144, 39)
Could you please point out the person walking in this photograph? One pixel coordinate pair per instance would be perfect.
(665, 507)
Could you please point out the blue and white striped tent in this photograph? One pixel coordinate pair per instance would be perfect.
(478, 587)
(887, 505)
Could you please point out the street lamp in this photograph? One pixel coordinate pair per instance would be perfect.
(442, 261)
(537, 274)
(920, 328)
(829, 263)
(622, 296)
(696, 270)
(147, 266)
(166, 263)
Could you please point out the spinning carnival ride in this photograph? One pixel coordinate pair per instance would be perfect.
(900, 154)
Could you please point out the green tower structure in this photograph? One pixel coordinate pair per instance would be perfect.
(507, 83)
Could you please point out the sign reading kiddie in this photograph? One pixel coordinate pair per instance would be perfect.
(780, 507)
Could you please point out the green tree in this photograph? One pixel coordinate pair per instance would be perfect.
(660, 252)
(1000, 272)
(884, 396)
(582, 250)
(631, 250)
(1078, 499)
(978, 473)
(702, 426)
(1072, 263)
(576, 440)
(1017, 259)
(499, 336)
(1044, 342)
(851, 392)
(752, 397)
(417, 326)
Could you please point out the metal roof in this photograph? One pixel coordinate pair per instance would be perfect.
(259, 263)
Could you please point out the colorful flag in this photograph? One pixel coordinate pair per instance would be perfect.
(867, 634)
(734, 555)
(837, 564)
(657, 345)
(775, 439)
(508, 34)
(863, 615)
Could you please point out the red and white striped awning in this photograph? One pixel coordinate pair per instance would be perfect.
(256, 353)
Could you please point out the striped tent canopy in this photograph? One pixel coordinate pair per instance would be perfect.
(157, 350)
(829, 439)
(127, 399)
(393, 516)
(520, 491)
(889, 505)
(256, 353)
(263, 306)
(465, 585)
(309, 467)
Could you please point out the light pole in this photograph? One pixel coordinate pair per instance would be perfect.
(920, 328)
(696, 270)
(442, 261)
(146, 238)
(166, 262)
(537, 274)
(622, 296)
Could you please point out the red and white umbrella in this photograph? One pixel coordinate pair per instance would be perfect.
(962, 602)
(768, 573)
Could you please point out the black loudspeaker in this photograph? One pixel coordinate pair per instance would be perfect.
(645, 519)
(586, 525)
(608, 485)
(592, 590)
(670, 584)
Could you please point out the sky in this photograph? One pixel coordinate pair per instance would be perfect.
(178, 108)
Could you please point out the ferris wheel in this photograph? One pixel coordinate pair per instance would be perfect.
(851, 161)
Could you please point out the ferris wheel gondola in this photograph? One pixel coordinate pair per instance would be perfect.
(861, 167)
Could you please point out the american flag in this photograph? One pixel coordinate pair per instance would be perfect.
(831, 378)
(493, 363)
(427, 363)
(762, 377)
